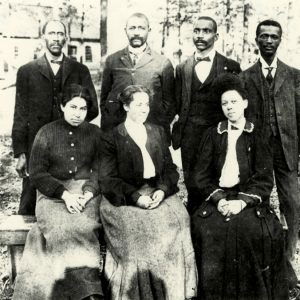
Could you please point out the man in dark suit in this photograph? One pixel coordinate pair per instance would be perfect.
(39, 88)
(274, 107)
(196, 105)
(137, 64)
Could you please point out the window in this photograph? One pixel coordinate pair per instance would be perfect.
(72, 52)
(88, 54)
(16, 51)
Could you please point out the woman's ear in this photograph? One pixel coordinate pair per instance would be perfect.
(62, 108)
(246, 103)
(125, 106)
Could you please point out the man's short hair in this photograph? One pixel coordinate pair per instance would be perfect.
(139, 15)
(50, 21)
(207, 18)
(268, 22)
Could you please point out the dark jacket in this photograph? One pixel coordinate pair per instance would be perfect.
(121, 171)
(153, 71)
(184, 73)
(255, 166)
(62, 152)
(287, 106)
(34, 98)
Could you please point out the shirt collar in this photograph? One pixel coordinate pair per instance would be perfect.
(138, 50)
(264, 65)
(49, 57)
(211, 54)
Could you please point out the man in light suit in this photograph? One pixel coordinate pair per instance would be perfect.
(39, 89)
(196, 105)
(137, 64)
(274, 106)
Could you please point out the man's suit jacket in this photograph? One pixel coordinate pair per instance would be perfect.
(287, 106)
(34, 98)
(184, 75)
(153, 71)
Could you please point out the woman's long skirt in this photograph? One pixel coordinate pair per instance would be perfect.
(240, 257)
(62, 252)
(150, 253)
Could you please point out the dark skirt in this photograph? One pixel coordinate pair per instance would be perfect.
(241, 257)
(62, 253)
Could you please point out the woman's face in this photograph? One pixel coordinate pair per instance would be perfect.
(233, 106)
(75, 111)
(138, 109)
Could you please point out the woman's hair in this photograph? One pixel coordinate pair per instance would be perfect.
(126, 96)
(228, 82)
(75, 90)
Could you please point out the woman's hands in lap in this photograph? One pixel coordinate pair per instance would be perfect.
(75, 203)
(152, 202)
(230, 207)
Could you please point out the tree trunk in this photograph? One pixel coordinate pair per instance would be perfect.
(103, 28)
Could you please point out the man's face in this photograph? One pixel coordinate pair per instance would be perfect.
(55, 37)
(204, 35)
(268, 40)
(137, 30)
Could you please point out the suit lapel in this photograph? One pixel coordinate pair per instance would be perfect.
(280, 76)
(125, 58)
(188, 73)
(43, 67)
(256, 78)
(145, 59)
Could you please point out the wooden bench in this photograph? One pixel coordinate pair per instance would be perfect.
(13, 233)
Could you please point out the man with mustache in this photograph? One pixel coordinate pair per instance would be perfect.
(137, 64)
(274, 108)
(196, 105)
(39, 89)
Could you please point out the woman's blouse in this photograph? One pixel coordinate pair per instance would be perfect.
(122, 167)
(62, 152)
(254, 163)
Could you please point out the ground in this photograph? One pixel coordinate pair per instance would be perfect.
(10, 188)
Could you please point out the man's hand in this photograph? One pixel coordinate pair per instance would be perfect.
(87, 196)
(144, 202)
(157, 197)
(21, 166)
(73, 202)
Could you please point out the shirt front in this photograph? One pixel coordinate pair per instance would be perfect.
(58, 61)
(265, 67)
(138, 133)
(202, 68)
(136, 53)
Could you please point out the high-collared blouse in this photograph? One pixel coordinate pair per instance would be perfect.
(61, 152)
(254, 160)
(122, 170)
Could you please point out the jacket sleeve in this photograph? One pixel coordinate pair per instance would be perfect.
(168, 179)
(297, 100)
(204, 172)
(39, 165)
(21, 114)
(88, 83)
(168, 93)
(260, 184)
(178, 89)
(113, 187)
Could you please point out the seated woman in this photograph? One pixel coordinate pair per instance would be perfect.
(62, 253)
(237, 237)
(147, 228)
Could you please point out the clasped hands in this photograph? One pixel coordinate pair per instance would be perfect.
(151, 202)
(76, 203)
(230, 207)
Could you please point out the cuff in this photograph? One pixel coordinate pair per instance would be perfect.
(216, 196)
(250, 199)
(91, 189)
(162, 187)
(59, 191)
(135, 197)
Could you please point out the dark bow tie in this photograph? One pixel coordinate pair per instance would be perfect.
(206, 58)
(59, 62)
(234, 128)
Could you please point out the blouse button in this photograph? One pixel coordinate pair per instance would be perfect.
(72, 158)
(204, 213)
(70, 172)
(70, 132)
(227, 219)
(72, 145)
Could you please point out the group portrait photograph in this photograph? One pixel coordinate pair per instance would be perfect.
(149, 150)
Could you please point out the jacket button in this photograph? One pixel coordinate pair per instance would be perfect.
(258, 213)
(70, 133)
(227, 219)
(72, 158)
(204, 213)
(72, 144)
(70, 172)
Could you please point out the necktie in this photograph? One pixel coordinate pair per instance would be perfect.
(206, 58)
(269, 76)
(59, 62)
(134, 58)
(234, 128)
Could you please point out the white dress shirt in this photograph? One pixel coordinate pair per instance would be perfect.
(265, 67)
(54, 67)
(203, 68)
(136, 53)
(230, 171)
(139, 135)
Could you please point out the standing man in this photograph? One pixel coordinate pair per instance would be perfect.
(137, 64)
(274, 106)
(196, 106)
(39, 88)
